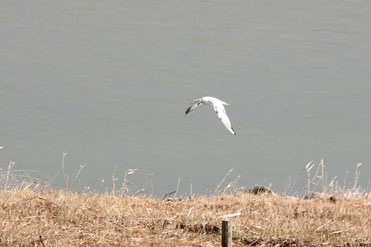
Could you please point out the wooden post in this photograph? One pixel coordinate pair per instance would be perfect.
(226, 233)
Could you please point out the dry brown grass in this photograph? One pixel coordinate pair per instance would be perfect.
(64, 218)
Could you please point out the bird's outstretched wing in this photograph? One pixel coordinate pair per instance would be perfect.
(220, 111)
(194, 104)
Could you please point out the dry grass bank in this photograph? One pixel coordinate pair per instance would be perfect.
(63, 218)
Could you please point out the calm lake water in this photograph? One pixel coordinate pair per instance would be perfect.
(108, 82)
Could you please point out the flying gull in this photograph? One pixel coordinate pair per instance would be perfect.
(218, 108)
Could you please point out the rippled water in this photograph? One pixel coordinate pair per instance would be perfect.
(107, 82)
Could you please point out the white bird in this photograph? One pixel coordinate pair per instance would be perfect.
(218, 108)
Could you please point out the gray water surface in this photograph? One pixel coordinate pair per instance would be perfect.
(108, 82)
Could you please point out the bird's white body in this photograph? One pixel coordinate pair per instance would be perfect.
(218, 108)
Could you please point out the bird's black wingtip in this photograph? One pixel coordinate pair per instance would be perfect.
(187, 111)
